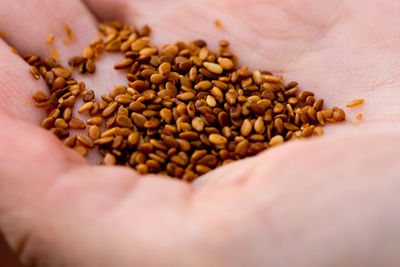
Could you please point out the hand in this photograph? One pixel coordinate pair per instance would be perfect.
(329, 201)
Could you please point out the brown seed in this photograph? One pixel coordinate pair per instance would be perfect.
(242, 148)
(246, 128)
(109, 159)
(89, 96)
(123, 64)
(139, 85)
(61, 123)
(124, 121)
(114, 46)
(77, 124)
(81, 150)
(338, 114)
(95, 120)
(109, 109)
(140, 44)
(39, 96)
(186, 96)
(202, 169)
(104, 140)
(225, 63)
(86, 107)
(139, 119)
(203, 85)
(85, 142)
(94, 132)
(355, 103)
(62, 72)
(70, 141)
(217, 139)
(213, 67)
(142, 168)
(276, 140)
(90, 66)
(35, 72)
(198, 124)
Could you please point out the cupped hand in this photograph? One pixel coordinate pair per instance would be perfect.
(322, 202)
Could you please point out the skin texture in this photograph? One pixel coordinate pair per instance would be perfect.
(328, 201)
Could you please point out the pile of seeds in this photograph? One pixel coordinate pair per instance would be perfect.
(184, 109)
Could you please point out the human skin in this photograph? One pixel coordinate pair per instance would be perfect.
(330, 201)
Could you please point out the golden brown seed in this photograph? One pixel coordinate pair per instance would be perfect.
(113, 46)
(123, 64)
(109, 159)
(186, 96)
(124, 121)
(166, 115)
(338, 114)
(203, 85)
(70, 141)
(90, 66)
(318, 131)
(213, 67)
(104, 140)
(140, 44)
(39, 96)
(142, 168)
(139, 119)
(94, 132)
(217, 139)
(95, 120)
(35, 72)
(62, 72)
(61, 123)
(67, 114)
(85, 142)
(355, 103)
(198, 124)
(276, 140)
(259, 125)
(278, 108)
(242, 148)
(109, 109)
(246, 128)
(81, 150)
(307, 132)
(133, 138)
(77, 124)
(139, 85)
(202, 169)
(225, 63)
(86, 107)
(123, 99)
(157, 78)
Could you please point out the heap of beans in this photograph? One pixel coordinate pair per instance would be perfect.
(183, 111)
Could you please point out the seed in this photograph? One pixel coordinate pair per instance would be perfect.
(217, 139)
(185, 110)
(355, 103)
(90, 66)
(77, 124)
(123, 64)
(61, 72)
(89, 96)
(225, 63)
(140, 44)
(186, 96)
(109, 109)
(85, 142)
(39, 96)
(61, 123)
(86, 107)
(203, 85)
(246, 128)
(276, 140)
(35, 72)
(95, 120)
(213, 67)
(109, 159)
(359, 116)
(70, 141)
(338, 114)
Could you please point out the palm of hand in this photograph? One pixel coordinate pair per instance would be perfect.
(294, 205)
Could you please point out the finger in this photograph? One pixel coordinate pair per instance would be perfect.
(17, 86)
(45, 18)
(50, 197)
